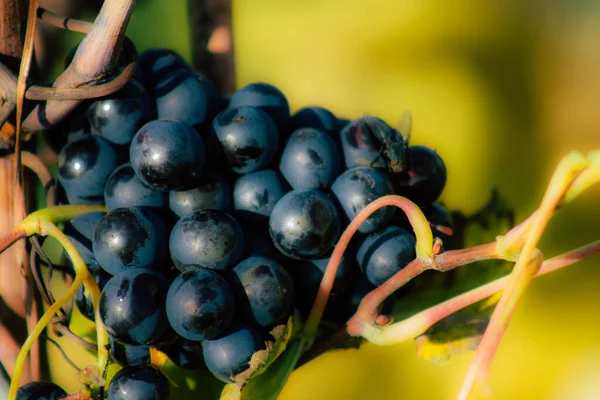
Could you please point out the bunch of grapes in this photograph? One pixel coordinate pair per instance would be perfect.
(222, 216)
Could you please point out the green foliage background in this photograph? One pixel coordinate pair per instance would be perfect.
(502, 90)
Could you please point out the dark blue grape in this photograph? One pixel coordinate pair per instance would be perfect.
(230, 354)
(214, 193)
(358, 187)
(384, 253)
(132, 306)
(186, 96)
(209, 238)
(266, 97)
(425, 176)
(124, 189)
(85, 164)
(255, 194)
(131, 237)
(128, 355)
(118, 116)
(167, 155)
(41, 391)
(154, 64)
(310, 160)
(247, 138)
(200, 304)
(263, 290)
(360, 147)
(317, 118)
(142, 382)
(305, 224)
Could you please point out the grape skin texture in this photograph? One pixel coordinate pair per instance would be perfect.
(356, 188)
(138, 383)
(263, 289)
(386, 252)
(305, 224)
(310, 160)
(167, 155)
(132, 237)
(199, 304)
(229, 354)
(40, 391)
(209, 238)
(132, 306)
(247, 138)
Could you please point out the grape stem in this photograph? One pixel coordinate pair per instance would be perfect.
(526, 267)
(38, 223)
(424, 251)
(67, 23)
(418, 324)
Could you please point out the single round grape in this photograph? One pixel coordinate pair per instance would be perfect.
(142, 382)
(186, 96)
(209, 238)
(305, 224)
(41, 391)
(255, 194)
(167, 155)
(131, 237)
(132, 306)
(200, 304)
(384, 253)
(263, 290)
(247, 138)
(118, 116)
(358, 187)
(214, 193)
(310, 160)
(230, 354)
(266, 97)
(425, 177)
(317, 118)
(85, 164)
(124, 189)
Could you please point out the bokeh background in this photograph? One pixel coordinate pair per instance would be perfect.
(502, 90)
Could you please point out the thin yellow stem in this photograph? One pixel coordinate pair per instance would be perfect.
(37, 225)
(525, 268)
(416, 325)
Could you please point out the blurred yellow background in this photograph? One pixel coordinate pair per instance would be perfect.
(502, 90)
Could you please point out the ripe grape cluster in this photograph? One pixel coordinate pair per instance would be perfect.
(223, 213)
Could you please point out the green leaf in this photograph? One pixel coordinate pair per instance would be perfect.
(261, 361)
(462, 330)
